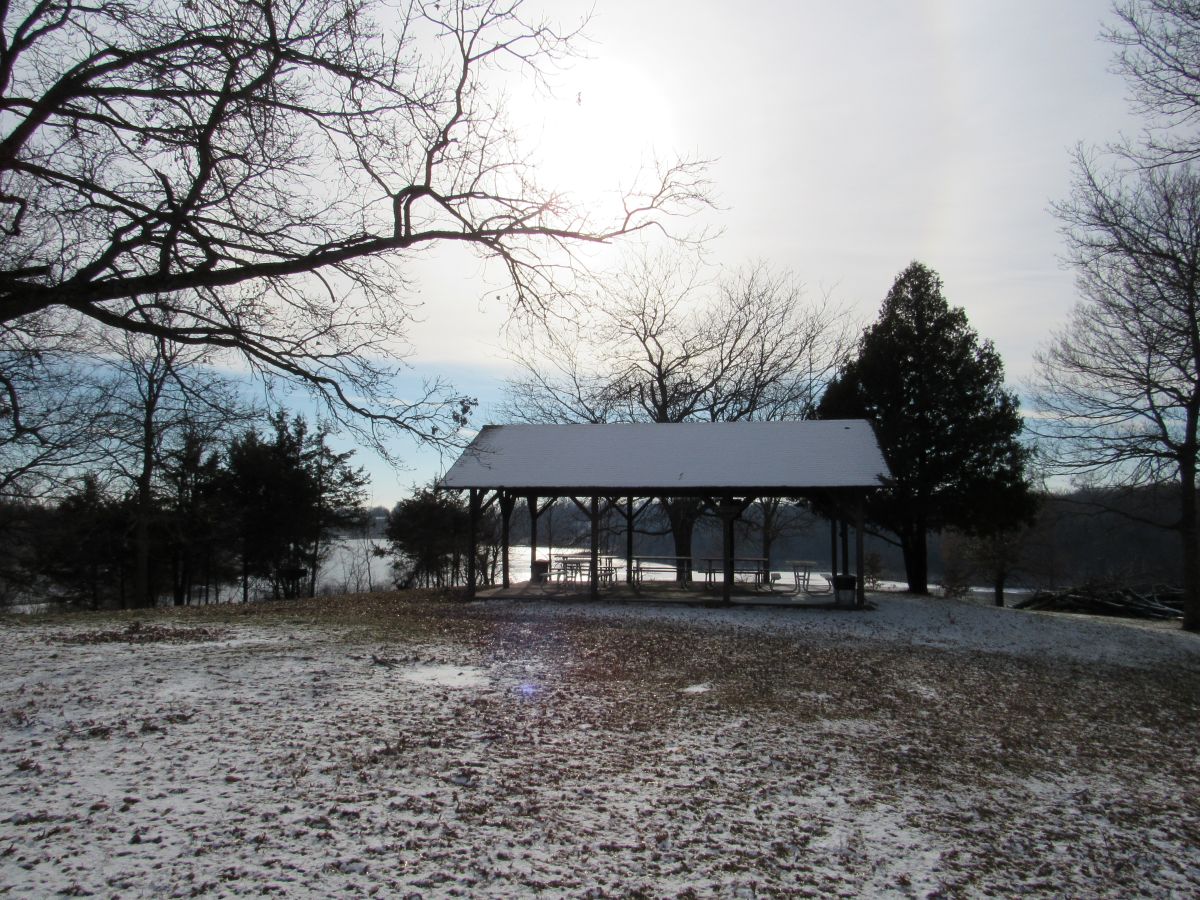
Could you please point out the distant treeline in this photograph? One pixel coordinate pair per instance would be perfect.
(258, 516)
(253, 514)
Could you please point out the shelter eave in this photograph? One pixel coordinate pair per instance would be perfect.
(583, 490)
(686, 459)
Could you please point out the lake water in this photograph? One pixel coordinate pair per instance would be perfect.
(351, 567)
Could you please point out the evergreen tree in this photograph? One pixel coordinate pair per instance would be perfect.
(198, 520)
(429, 533)
(945, 422)
(338, 496)
(84, 546)
(287, 493)
(250, 491)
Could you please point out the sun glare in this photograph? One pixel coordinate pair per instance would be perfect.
(606, 121)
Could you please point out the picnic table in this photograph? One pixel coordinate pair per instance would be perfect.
(757, 567)
(577, 568)
(802, 572)
(673, 565)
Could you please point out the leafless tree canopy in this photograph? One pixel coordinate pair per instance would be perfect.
(1159, 55)
(659, 345)
(1122, 380)
(252, 174)
(53, 410)
(1120, 385)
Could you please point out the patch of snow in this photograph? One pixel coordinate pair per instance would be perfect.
(445, 675)
(951, 624)
(817, 696)
(315, 762)
(922, 690)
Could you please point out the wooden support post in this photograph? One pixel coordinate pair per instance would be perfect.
(594, 568)
(507, 501)
(629, 540)
(833, 554)
(729, 511)
(845, 547)
(473, 506)
(727, 550)
(859, 568)
(532, 502)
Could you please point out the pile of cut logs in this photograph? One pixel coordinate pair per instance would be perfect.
(1153, 603)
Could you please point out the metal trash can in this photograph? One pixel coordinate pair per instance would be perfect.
(540, 571)
(845, 590)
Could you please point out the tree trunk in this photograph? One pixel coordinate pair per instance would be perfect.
(916, 560)
(770, 514)
(1188, 537)
(474, 502)
(141, 564)
(142, 590)
(313, 563)
(682, 513)
(179, 586)
(998, 586)
(94, 584)
(319, 526)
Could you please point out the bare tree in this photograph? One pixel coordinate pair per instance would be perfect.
(359, 551)
(1159, 56)
(774, 518)
(162, 392)
(657, 343)
(53, 408)
(251, 175)
(993, 556)
(1119, 386)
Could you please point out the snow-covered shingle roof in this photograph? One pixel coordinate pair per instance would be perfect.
(690, 457)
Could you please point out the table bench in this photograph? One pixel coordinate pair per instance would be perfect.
(802, 572)
(754, 566)
(576, 569)
(662, 565)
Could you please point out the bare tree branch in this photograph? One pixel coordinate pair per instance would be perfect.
(252, 175)
(658, 343)
(1158, 45)
(1119, 386)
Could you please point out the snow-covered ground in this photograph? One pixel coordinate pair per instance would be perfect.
(397, 747)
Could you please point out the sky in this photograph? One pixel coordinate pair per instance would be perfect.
(847, 141)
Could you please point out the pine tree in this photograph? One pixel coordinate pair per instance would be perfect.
(429, 536)
(946, 424)
(287, 493)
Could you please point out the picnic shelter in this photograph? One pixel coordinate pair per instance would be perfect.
(727, 465)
